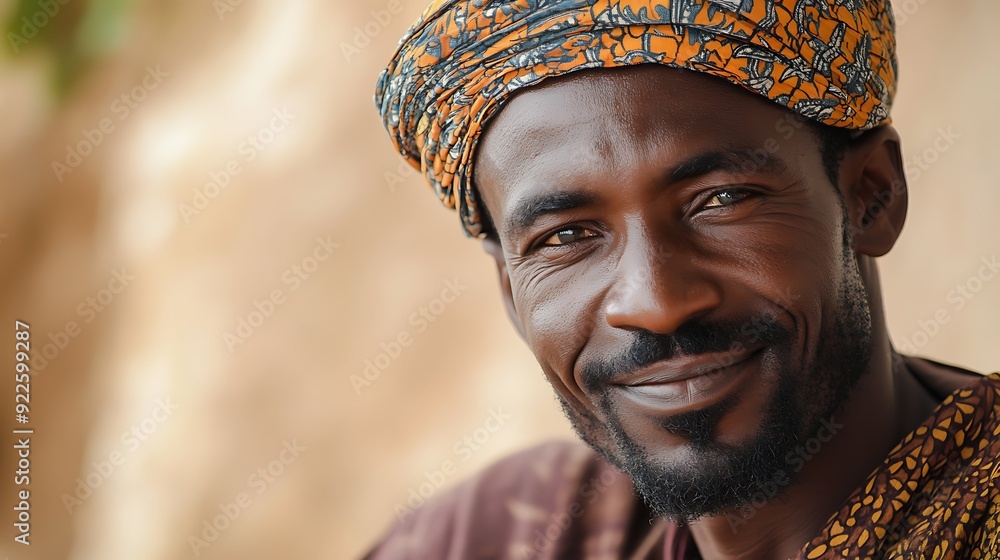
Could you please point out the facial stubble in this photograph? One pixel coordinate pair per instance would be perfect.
(718, 477)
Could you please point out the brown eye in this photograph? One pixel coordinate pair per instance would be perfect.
(725, 198)
(567, 236)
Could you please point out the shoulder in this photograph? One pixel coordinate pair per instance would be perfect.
(533, 504)
(945, 379)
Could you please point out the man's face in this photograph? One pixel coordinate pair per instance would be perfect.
(678, 264)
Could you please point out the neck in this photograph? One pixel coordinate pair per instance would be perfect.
(886, 404)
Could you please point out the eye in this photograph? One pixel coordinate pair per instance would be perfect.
(726, 197)
(567, 236)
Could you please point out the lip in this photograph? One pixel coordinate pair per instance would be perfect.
(686, 382)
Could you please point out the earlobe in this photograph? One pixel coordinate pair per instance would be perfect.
(873, 184)
(492, 246)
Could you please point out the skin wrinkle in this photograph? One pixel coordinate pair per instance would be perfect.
(659, 275)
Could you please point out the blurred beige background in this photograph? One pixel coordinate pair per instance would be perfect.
(194, 344)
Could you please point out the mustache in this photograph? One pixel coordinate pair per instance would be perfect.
(690, 339)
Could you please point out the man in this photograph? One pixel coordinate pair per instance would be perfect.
(685, 200)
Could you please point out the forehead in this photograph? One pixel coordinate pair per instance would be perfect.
(643, 98)
(614, 121)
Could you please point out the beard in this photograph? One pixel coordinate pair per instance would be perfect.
(715, 476)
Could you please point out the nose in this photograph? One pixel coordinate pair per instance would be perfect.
(657, 289)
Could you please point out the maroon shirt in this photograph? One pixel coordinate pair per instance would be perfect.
(558, 500)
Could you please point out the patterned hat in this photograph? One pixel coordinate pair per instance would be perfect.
(833, 61)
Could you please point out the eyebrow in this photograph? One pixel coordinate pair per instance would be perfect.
(742, 160)
(530, 209)
(527, 211)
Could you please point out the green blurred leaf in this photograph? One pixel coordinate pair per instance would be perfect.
(74, 33)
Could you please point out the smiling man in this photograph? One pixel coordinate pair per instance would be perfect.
(685, 201)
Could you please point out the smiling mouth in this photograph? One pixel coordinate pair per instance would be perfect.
(686, 382)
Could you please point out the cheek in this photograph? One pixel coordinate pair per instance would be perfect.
(559, 313)
(789, 253)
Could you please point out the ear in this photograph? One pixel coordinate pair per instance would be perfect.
(873, 185)
(492, 246)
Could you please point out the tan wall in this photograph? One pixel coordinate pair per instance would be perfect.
(324, 176)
